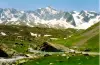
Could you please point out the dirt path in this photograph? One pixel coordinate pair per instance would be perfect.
(91, 53)
(11, 60)
(41, 52)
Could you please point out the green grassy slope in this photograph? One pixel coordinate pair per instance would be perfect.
(87, 39)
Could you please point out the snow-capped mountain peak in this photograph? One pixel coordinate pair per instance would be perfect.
(49, 17)
(49, 8)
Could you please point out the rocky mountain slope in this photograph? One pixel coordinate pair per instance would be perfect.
(49, 17)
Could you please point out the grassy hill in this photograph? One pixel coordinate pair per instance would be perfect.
(87, 39)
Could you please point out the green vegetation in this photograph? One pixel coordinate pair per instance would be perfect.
(25, 31)
(87, 39)
(25, 40)
(19, 37)
(66, 60)
(93, 43)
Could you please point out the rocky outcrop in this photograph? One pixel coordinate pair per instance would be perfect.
(51, 47)
(3, 54)
(5, 51)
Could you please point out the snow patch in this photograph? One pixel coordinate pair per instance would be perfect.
(14, 19)
(33, 34)
(47, 35)
(2, 33)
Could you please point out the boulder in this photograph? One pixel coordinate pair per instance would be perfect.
(52, 47)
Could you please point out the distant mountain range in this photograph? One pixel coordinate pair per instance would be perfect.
(49, 17)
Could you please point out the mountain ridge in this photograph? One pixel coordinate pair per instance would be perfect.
(49, 17)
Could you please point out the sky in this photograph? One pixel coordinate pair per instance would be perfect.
(64, 5)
